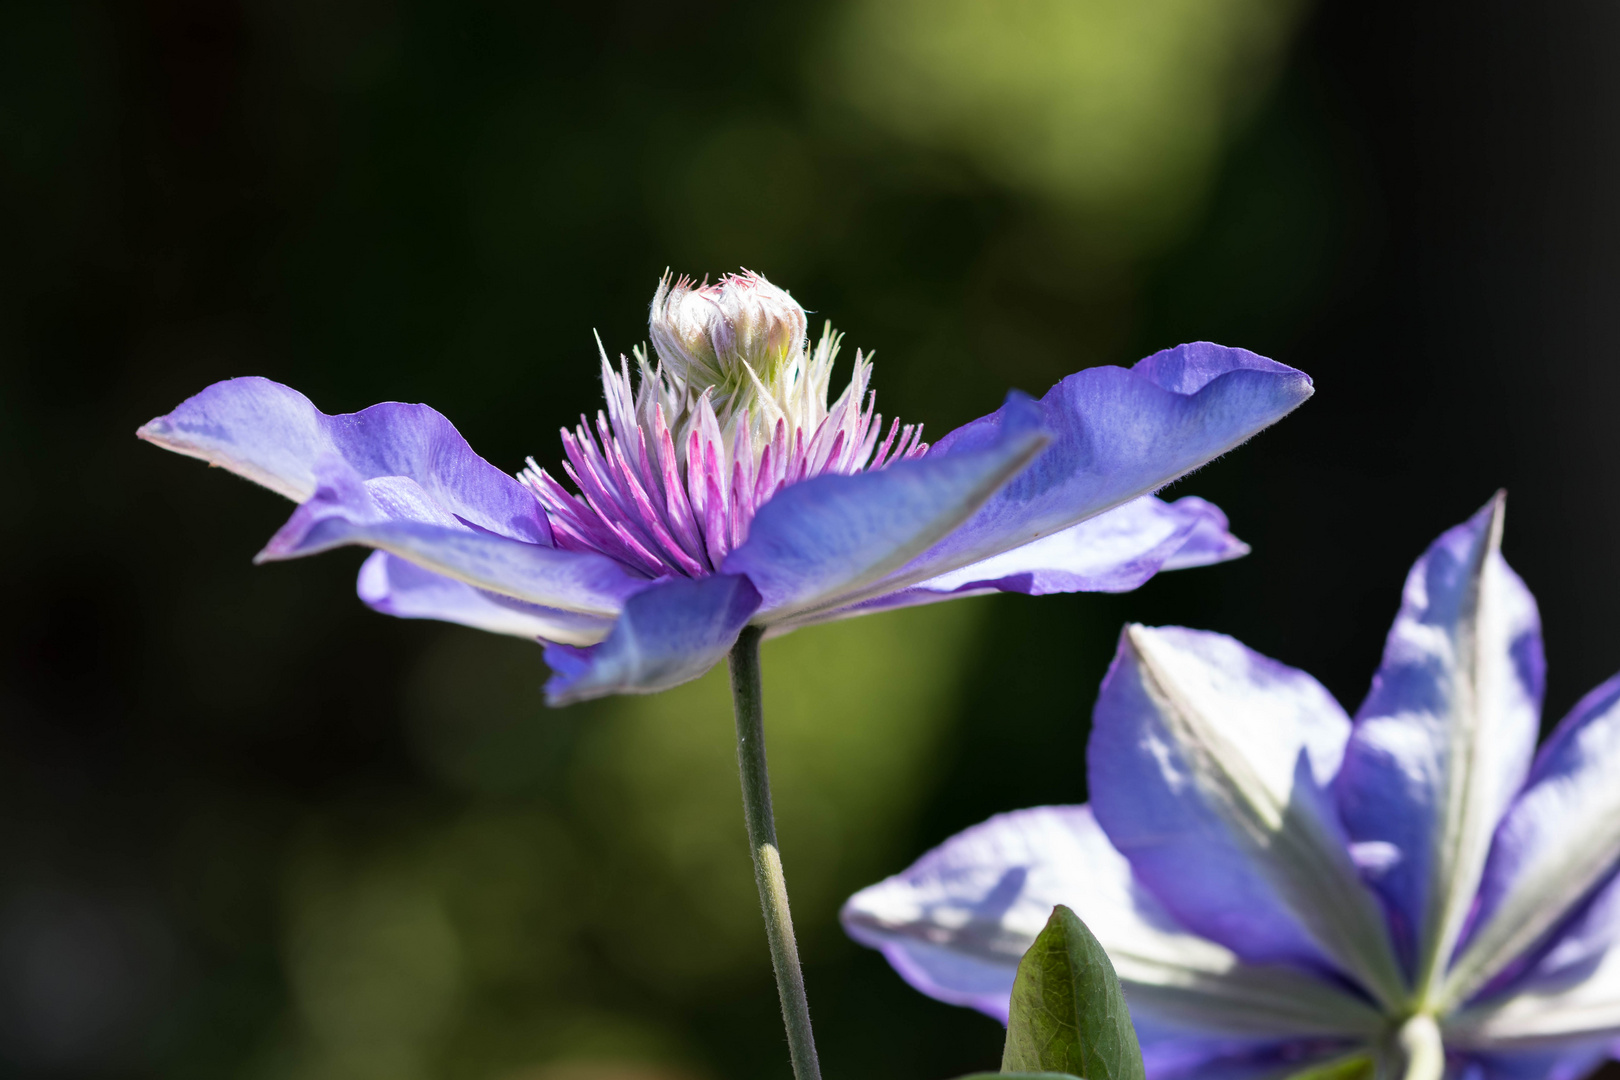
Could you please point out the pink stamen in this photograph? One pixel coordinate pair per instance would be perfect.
(639, 500)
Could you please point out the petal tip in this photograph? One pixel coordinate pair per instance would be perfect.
(1484, 529)
(1497, 507)
(568, 665)
(157, 431)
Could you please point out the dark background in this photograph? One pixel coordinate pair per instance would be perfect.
(253, 830)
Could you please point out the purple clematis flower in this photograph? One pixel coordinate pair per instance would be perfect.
(1279, 887)
(722, 490)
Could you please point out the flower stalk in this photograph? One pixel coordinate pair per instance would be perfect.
(748, 701)
(1420, 1051)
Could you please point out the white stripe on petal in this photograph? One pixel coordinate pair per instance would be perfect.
(1584, 1009)
(1235, 732)
(1559, 840)
(972, 906)
(1443, 742)
(404, 590)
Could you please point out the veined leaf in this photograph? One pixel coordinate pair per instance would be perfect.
(1068, 1014)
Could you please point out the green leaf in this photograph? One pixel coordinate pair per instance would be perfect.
(1068, 1014)
(1018, 1076)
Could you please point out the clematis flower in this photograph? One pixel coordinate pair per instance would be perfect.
(1279, 887)
(720, 490)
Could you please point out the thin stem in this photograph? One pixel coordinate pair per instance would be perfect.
(1413, 1051)
(748, 699)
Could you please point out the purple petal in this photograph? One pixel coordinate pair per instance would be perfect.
(1209, 542)
(1118, 434)
(395, 477)
(1577, 948)
(1192, 1058)
(1208, 766)
(1112, 552)
(274, 436)
(1562, 1064)
(395, 587)
(667, 635)
(395, 515)
(1559, 841)
(1444, 739)
(1568, 1008)
(956, 924)
(819, 543)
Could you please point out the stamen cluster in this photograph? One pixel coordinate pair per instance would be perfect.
(734, 411)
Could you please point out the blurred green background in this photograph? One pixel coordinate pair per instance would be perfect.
(253, 830)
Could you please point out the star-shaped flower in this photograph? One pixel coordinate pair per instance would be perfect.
(720, 489)
(1280, 887)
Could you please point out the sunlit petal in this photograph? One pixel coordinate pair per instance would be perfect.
(1444, 739)
(1580, 1008)
(1111, 552)
(820, 543)
(1561, 837)
(274, 436)
(1118, 434)
(404, 590)
(393, 514)
(667, 635)
(1207, 765)
(958, 921)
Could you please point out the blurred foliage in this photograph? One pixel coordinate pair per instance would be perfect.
(475, 943)
(254, 830)
(1114, 111)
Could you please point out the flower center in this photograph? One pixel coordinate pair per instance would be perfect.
(676, 469)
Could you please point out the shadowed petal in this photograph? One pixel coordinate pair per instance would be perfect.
(393, 514)
(819, 543)
(1564, 1064)
(1573, 965)
(395, 587)
(1112, 552)
(1209, 542)
(667, 635)
(957, 922)
(1118, 434)
(1218, 1059)
(1208, 765)
(1576, 1010)
(1559, 840)
(1444, 739)
(274, 436)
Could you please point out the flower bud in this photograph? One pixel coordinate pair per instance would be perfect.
(705, 335)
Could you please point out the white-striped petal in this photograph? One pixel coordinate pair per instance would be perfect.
(1208, 764)
(958, 921)
(1559, 840)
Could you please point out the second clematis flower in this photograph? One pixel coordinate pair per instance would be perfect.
(720, 489)
(1280, 888)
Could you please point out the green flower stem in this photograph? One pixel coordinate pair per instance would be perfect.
(1412, 1051)
(748, 699)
